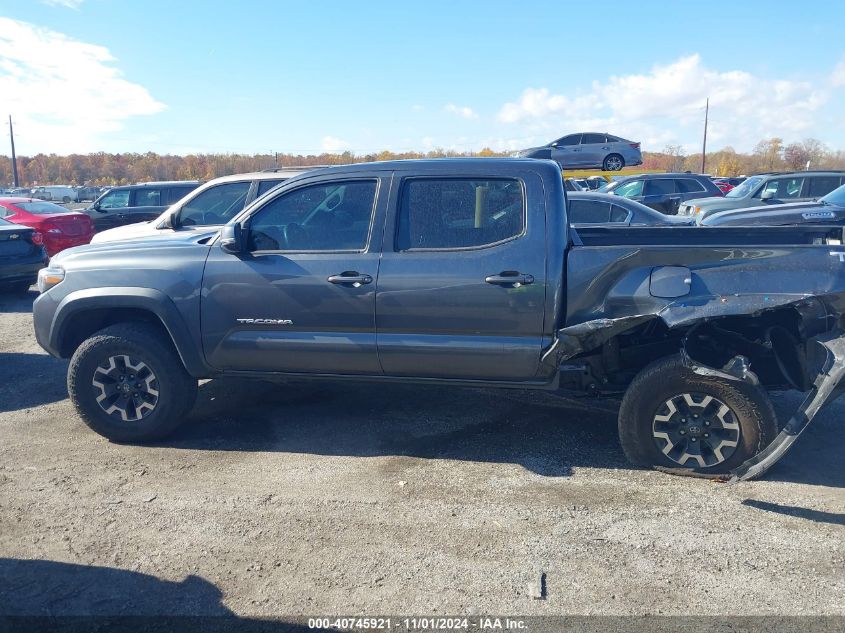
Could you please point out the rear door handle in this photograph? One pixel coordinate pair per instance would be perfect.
(351, 277)
(509, 278)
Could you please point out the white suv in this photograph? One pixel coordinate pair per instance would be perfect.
(212, 204)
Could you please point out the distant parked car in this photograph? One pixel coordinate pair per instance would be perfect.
(84, 194)
(589, 150)
(22, 255)
(829, 209)
(596, 182)
(39, 193)
(59, 193)
(590, 208)
(61, 227)
(662, 192)
(136, 203)
(214, 203)
(766, 189)
(571, 184)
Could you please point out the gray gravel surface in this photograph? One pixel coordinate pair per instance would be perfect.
(360, 498)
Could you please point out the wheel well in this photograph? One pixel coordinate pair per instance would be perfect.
(772, 342)
(83, 324)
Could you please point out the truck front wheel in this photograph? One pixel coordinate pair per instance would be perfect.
(129, 385)
(674, 418)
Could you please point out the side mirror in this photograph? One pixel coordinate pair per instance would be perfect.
(170, 221)
(232, 239)
(768, 195)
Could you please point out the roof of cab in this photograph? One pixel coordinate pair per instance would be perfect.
(442, 165)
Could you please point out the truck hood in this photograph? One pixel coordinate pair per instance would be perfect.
(706, 203)
(145, 230)
(166, 239)
(787, 213)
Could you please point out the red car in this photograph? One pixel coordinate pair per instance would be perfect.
(61, 228)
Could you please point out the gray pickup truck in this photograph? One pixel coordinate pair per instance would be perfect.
(467, 272)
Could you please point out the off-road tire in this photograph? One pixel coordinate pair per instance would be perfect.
(176, 389)
(669, 378)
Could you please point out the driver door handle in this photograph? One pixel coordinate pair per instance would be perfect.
(351, 277)
(510, 278)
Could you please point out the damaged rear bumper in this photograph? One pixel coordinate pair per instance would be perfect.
(826, 387)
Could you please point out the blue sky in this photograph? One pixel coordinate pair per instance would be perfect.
(176, 77)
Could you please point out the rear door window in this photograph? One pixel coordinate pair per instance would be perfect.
(216, 205)
(147, 197)
(659, 187)
(618, 214)
(453, 213)
(688, 185)
(175, 194)
(266, 185)
(822, 185)
(589, 211)
(590, 139)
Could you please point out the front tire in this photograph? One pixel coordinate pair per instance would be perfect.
(129, 385)
(673, 418)
(613, 162)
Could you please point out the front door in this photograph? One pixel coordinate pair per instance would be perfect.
(566, 151)
(461, 287)
(303, 298)
(109, 210)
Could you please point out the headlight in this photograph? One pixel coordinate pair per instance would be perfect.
(49, 277)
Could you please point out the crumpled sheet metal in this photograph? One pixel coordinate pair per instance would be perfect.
(587, 336)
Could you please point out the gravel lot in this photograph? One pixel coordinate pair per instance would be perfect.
(338, 499)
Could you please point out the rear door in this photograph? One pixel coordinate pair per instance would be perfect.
(303, 298)
(148, 203)
(566, 151)
(660, 195)
(593, 149)
(461, 287)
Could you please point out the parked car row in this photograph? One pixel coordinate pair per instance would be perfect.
(55, 193)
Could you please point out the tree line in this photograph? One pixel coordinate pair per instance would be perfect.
(103, 168)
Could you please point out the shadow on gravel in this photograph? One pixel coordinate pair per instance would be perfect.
(30, 380)
(541, 432)
(817, 516)
(17, 303)
(50, 588)
(48, 596)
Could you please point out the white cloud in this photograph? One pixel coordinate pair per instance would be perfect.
(837, 77)
(666, 105)
(334, 144)
(64, 95)
(70, 4)
(461, 111)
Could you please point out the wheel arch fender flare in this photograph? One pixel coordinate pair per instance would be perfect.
(148, 300)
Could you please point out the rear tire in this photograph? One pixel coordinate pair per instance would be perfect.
(129, 385)
(65, 199)
(613, 162)
(673, 418)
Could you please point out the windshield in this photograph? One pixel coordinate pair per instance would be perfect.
(837, 197)
(745, 188)
(41, 208)
(608, 187)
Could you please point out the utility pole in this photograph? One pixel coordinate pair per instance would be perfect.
(704, 143)
(14, 158)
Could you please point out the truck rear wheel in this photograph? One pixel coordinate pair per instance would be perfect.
(129, 385)
(672, 417)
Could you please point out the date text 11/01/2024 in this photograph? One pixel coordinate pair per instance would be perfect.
(418, 624)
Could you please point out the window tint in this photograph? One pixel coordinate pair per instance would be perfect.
(659, 186)
(266, 185)
(629, 189)
(41, 208)
(174, 194)
(459, 213)
(822, 185)
(688, 185)
(584, 211)
(331, 216)
(618, 214)
(216, 205)
(783, 188)
(147, 197)
(613, 139)
(592, 138)
(115, 199)
(572, 139)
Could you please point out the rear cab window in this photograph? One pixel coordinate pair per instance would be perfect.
(821, 185)
(456, 213)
